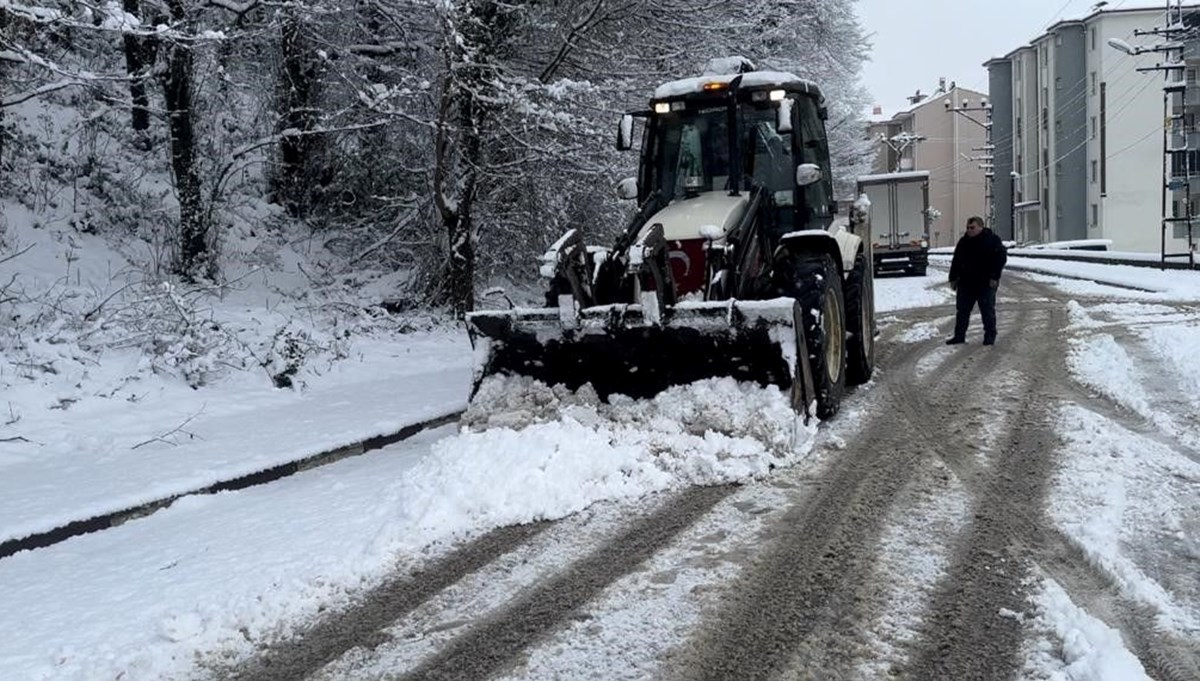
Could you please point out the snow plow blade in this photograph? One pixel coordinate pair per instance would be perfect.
(619, 349)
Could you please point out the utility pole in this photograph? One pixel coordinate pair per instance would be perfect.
(899, 142)
(987, 158)
(1180, 162)
(1012, 213)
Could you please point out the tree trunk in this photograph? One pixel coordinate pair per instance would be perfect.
(3, 78)
(457, 175)
(137, 58)
(298, 90)
(475, 36)
(195, 260)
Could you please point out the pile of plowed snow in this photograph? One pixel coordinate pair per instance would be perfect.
(530, 452)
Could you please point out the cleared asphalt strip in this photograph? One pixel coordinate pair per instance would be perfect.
(103, 522)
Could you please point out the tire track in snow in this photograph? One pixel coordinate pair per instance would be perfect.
(802, 605)
(965, 636)
(1033, 538)
(1165, 656)
(498, 642)
(339, 632)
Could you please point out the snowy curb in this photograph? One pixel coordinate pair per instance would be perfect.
(1049, 273)
(1034, 269)
(1098, 258)
(103, 522)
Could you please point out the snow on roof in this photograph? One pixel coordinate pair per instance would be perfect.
(885, 177)
(881, 117)
(688, 86)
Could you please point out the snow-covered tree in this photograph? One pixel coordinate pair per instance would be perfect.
(453, 139)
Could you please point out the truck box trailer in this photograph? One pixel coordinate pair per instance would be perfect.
(900, 220)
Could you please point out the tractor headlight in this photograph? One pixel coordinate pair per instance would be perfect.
(777, 95)
(662, 107)
(924, 243)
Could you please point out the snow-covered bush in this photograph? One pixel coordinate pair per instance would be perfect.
(172, 327)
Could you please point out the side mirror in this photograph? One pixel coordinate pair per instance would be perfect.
(807, 173)
(783, 117)
(627, 189)
(625, 133)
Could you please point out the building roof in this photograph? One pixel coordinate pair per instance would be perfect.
(940, 96)
(1100, 13)
(935, 96)
(1097, 14)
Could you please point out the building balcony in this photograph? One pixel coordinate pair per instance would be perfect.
(1185, 163)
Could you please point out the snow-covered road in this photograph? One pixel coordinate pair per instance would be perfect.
(1029, 510)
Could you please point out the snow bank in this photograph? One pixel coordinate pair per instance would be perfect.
(1089, 648)
(213, 577)
(548, 452)
(1117, 489)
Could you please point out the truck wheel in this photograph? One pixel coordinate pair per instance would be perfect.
(860, 322)
(813, 280)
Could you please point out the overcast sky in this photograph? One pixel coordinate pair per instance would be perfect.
(916, 41)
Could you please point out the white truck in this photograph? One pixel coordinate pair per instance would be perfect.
(899, 220)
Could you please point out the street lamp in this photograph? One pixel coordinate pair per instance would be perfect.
(1122, 46)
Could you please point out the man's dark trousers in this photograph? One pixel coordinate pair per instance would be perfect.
(967, 297)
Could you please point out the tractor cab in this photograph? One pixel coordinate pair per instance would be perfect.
(724, 150)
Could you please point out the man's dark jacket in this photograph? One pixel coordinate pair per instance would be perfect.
(978, 259)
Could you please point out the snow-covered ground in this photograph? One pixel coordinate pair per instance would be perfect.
(147, 599)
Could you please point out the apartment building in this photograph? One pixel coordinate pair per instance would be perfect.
(1079, 135)
(945, 133)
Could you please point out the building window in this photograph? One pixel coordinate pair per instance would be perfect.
(1094, 127)
(1093, 35)
(1191, 76)
(1058, 211)
(1058, 40)
(1057, 168)
(1058, 83)
(1095, 216)
(1095, 171)
(1093, 83)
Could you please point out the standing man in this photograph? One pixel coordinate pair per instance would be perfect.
(979, 259)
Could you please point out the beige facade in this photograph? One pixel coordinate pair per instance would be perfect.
(949, 143)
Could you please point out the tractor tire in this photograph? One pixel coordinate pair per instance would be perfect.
(860, 322)
(813, 280)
